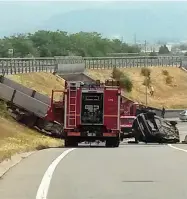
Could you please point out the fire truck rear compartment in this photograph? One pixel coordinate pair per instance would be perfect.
(92, 109)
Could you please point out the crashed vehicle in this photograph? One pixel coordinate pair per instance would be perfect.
(149, 128)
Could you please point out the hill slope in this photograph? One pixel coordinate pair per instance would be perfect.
(171, 96)
(16, 138)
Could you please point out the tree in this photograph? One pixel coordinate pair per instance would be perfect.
(183, 47)
(153, 55)
(163, 50)
(59, 43)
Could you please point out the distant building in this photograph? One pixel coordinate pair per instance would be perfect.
(148, 48)
(169, 46)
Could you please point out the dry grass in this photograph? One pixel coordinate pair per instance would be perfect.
(15, 138)
(171, 96)
(42, 82)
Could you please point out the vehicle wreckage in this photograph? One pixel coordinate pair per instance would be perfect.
(150, 128)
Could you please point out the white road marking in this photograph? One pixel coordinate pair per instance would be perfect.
(177, 148)
(45, 183)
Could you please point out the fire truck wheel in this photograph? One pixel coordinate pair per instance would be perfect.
(109, 143)
(71, 142)
(116, 142)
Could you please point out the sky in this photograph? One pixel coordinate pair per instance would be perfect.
(27, 16)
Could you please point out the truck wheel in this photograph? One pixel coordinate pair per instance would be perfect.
(74, 143)
(109, 143)
(136, 140)
(121, 137)
(69, 142)
(116, 142)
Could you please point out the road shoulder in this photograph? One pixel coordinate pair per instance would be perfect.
(6, 165)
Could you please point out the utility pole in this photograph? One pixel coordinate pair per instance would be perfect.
(146, 91)
(135, 38)
(145, 47)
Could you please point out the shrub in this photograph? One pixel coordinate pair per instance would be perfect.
(145, 72)
(126, 83)
(40, 147)
(153, 54)
(3, 109)
(117, 74)
(147, 81)
(165, 72)
(169, 79)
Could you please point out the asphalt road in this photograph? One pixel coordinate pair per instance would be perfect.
(130, 171)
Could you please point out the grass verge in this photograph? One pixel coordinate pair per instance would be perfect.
(16, 138)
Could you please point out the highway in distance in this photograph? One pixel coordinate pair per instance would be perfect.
(131, 171)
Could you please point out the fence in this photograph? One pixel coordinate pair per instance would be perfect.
(75, 64)
(111, 62)
(27, 65)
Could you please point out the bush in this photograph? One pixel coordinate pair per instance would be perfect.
(3, 109)
(165, 72)
(147, 81)
(169, 80)
(117, 74)
(153, 55)
(126, 83)
(145, 72)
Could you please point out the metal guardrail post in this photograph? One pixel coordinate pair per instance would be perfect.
(24, 65)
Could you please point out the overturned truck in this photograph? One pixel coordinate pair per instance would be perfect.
(149, 128)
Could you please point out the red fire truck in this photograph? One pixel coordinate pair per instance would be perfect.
(91, 111)
(127, 117)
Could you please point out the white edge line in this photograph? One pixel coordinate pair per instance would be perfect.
(174, 147)
(45, 183)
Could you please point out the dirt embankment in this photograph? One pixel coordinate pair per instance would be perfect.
(173, 95)
(16, 138)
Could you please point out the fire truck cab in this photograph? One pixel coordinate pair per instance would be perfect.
(92, 112)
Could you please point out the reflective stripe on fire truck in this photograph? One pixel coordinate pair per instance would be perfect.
(74, 134)
(109, 134)
(92, 91)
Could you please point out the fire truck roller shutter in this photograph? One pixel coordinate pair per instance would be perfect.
(92, 108)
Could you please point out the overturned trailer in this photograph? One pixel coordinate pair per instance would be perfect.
(149, 128)
(30, 107)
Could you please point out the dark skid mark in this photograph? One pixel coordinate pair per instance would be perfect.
(137, 181)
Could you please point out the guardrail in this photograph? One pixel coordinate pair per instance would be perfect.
(50, 64)
(126, 62)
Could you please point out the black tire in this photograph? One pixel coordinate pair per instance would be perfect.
(109, 143)
(136, 139)
(113, 142)
(71, 142)
(116, 143)
(66, 142)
